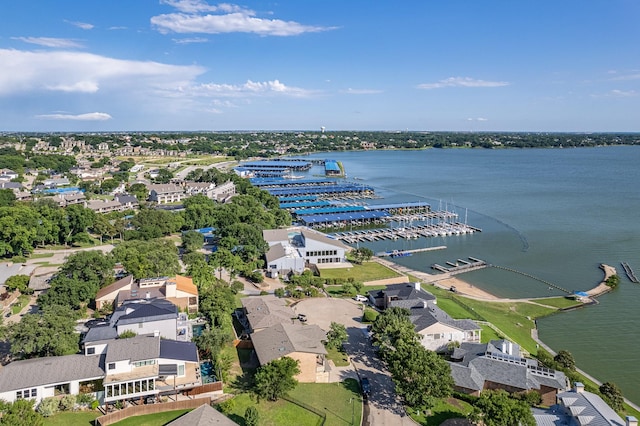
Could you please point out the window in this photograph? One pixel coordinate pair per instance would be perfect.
(112, 366)
(181, 370)
(91, 351)
(140, 325)
(34, 393)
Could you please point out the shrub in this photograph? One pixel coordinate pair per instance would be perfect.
(279, 292)
(67, 402)
(48, 407)
(95, 404)
(369, 315)
(84, 398)
(251, 416)
(227, 406)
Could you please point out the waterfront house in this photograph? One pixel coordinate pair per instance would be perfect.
(294, 249)
(437, 330)
(499, 364)
(578, 407)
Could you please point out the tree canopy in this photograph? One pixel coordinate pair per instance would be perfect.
(498, 408)
(144, 259)
(276, 378)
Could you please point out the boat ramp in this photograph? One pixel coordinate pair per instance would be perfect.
(630, 274)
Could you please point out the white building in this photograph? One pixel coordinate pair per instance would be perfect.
(294, 249)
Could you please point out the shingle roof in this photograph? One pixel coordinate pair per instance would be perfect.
(275, 252)
(134, 349)
(184, 284)
(144, 311)
(275, 235)
(265, 311)
(587, 404)
(283, 339)
(50, 370)
(118, 285)
(204, 415)
(426, 317)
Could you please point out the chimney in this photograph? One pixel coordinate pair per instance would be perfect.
(417, 286)
(156, 333)
(631, 421)
(148, 295)
(579, 387)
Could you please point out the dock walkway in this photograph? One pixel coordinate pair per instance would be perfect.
(630, 274)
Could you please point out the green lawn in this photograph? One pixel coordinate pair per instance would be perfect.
(157, 419)
(40, 255)
(368, 271)
(339, 358)
(340, 402)
(17, 306)
(81, 418)
(489, 334)
(558, 302)
(272, 413)
(450, 408)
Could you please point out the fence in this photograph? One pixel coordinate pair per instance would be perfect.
(141, 410)
(323, 416)
(209, 387)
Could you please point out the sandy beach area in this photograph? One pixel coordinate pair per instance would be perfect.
(464, 288)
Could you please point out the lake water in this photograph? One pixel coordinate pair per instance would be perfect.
(556, 214)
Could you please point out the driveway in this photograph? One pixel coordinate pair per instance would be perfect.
(383, 408)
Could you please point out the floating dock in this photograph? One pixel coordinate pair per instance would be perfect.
(405, 253)
(630, 274)
(460, 266)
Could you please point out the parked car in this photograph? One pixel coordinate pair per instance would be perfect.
(360, 298)
(302, 318)
(365, 386)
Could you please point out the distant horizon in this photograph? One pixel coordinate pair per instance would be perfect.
(463, 66)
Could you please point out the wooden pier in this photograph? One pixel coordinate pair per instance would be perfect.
(460, 266)
(403, 253)
(630, 274)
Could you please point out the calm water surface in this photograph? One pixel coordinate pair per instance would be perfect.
(553, 213)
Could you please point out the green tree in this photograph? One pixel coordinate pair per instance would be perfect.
(201, 272)
(50, 333)
(7, 198)
(337, 335)
(421, 376)
(108, 185)
(565, 360)
(20, 413)
(392, 326)
(144, 259)
(139, 190)
(91, 266)
(79, 219)
(151, 223)
(164, 176)
(613, 395)
(362, 254)
(497, 408)
(276, 378)
(192, 241)
(217, 302)
(211, 342)
(251, 416)
(18, 282)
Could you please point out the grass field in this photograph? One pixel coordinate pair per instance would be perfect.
(340, 402)
(558, 302)
(157, 419)
(368, 271)
(339, 358)
(272, 413)
(450, 408)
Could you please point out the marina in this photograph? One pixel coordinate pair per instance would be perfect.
(630, 274)
(410, 252)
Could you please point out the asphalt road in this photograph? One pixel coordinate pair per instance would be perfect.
(383, 408)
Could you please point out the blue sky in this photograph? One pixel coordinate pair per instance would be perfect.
(470, 65)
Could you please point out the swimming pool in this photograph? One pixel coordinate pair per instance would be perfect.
(197, 329)
(206, 369)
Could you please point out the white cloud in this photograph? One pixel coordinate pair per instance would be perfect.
(462, 82)
(195, 17)
(81, 25)
(351, 91)
(190, 40)
(615, 93)
(477, 119)
(115, 28)
(626, 77)
(248, 89)
(91, 116)
(68, 71)
(50, 42)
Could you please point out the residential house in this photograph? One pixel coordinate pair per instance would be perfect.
(303, 343)
(294, 249)
(127, 202)
(223, 192)
(199, 188)
(137, 367)
(436, 328)
(103, 206)
(577, 407)
(143, 317)
(69, 198)
(7, 175)
(56, 182)
(165, 193)
(263, 312)
(179, 290)
(499, 364)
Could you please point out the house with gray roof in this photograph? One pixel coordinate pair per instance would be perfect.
(577, 407)
(261, 312)
(143, 317)
(300, 342)
(118, 369)
(163, 193)
(436, 328)
(205, 415)
(499, 364)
